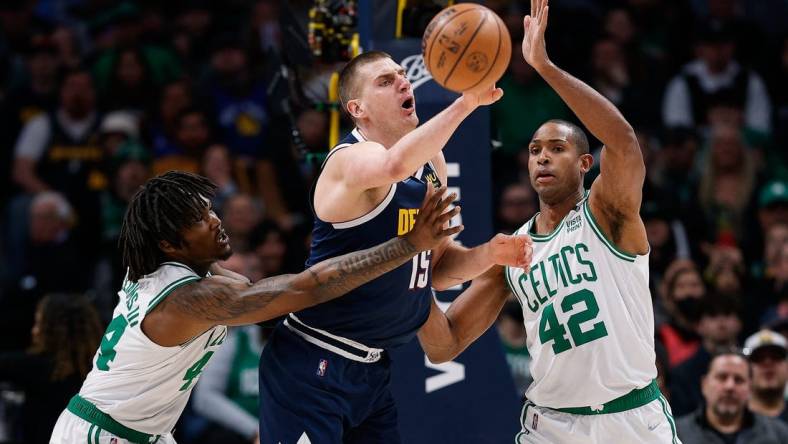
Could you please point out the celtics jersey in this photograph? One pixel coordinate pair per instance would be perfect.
(588, 315)
(137, 382)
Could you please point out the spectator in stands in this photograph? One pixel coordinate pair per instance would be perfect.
(175, 97)
(682, 291)
(192, 137)
(116, 128)
(767, 353)
(727, 186)
(49, 262)
(773, 204)
(715, 78)
(227, 393)
(718, 327)
(724, 417)
(241, 214)
(65, 336)
(217, 165)
(129, 83)
(37, 95)
(60, 151)
(518, 204)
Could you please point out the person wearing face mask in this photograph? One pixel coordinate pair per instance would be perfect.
(725, 418)
(718, 327)
(681, 291)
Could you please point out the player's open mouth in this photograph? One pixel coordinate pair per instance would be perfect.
(409, 105)
(222, 237)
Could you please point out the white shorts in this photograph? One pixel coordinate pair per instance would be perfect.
(71, 429)
(648, 424)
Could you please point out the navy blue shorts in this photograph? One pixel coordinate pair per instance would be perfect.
(312, 395)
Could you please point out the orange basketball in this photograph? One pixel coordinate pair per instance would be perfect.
(466, 46)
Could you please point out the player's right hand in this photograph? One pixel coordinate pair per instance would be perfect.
(430, 228)
(535, 24)
(483, 96)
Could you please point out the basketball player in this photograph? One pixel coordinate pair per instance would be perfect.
(585, 299)
(324, 374)
(176, 302)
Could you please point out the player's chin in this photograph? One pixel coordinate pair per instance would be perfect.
(225, 252)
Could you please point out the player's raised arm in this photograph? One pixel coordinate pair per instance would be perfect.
(619, 187)
(446, 335)
(193, 308)
(379, 98)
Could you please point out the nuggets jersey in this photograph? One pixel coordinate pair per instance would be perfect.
(139, 383)
(389, 310)
(588, 315)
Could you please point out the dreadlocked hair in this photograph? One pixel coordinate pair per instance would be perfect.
(159, 211)
(69, 330)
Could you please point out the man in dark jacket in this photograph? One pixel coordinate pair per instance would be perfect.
(725, 418)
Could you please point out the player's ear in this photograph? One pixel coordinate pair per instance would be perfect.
(166, 247)
(586, 162)
(354, 108)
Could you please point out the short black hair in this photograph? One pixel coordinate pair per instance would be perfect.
(578, 136)
(731, 351)
(348, 73)
(164, 207)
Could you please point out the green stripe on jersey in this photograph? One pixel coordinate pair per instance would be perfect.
(169, 289)
(601, 235)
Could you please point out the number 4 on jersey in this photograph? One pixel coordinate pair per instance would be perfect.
(550, 329)
(110, 339)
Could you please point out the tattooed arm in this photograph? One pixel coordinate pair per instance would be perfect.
(193, 308)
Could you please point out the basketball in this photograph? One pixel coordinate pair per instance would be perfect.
(466, 46)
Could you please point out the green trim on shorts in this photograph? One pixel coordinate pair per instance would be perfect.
(100, 420)
(665, 410)
(632, 400)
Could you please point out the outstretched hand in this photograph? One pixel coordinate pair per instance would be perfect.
(429, 230)
(483, 97)
(535, 24)
(513, 251)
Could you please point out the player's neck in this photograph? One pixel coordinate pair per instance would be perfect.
(200, 269)
(379, 135)
(551, 214)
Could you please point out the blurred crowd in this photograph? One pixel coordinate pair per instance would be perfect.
(99, 95)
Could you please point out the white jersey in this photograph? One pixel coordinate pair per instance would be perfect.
(137, 382)
(588, 315)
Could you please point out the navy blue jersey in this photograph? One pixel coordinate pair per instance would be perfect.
(389, 310)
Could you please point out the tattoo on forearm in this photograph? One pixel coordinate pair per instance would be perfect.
(337, 276)
(219, 302)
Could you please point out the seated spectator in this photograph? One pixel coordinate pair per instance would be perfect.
(518, 204)
(65, 337)
(727, 186)
(767, 353)
(241, 214)
(60, 151)
(716, 78)
(718, 327)
(217, 165)
(227, 393)
(724, 417)
(682, 291)
(117, 127)
(773, 204)
(48, 263)
(192, 137)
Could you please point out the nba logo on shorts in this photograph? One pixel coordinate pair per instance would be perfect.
(113, 440)
(321, 368)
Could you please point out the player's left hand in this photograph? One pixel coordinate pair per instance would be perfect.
(512, 250)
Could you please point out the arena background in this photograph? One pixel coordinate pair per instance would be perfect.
(242, 92)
